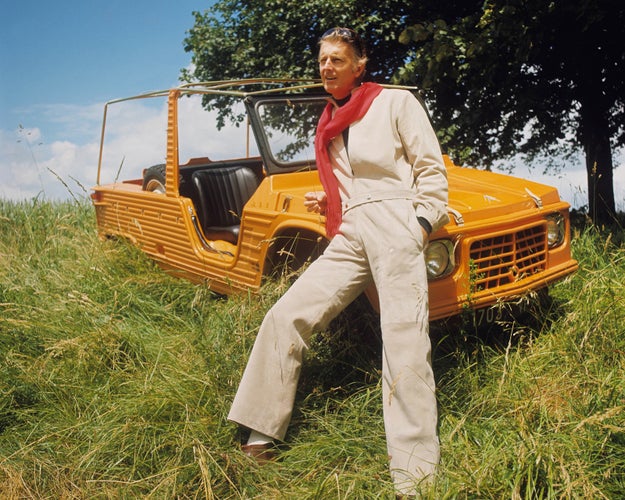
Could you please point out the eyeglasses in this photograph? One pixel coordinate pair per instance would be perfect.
(347, 35)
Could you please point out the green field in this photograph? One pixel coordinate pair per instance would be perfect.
(116, 378)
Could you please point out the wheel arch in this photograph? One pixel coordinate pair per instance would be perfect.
(291, 247)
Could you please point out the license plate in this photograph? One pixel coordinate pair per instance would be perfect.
(488, 315)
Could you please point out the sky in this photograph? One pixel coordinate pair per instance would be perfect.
(60, 62)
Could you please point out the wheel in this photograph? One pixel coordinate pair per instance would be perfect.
(291, 250)
(154, 179)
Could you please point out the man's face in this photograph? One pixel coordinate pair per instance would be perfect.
(338, 68)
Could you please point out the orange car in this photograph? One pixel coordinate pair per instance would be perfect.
(228, 221)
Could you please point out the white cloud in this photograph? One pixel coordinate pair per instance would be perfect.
(49, 160)
(59, 159)
(30, 167)
(135, 138)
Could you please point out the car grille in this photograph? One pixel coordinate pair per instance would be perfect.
(507, 258)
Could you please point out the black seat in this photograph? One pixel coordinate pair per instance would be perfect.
(222, 192)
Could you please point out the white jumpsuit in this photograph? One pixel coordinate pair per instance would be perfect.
(393, 173)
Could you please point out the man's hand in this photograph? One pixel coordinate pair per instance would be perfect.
(316, 201)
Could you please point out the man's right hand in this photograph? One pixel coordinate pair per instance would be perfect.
(316, 201)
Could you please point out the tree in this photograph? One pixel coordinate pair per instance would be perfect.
(531, 77)
(278, 38)
(502, 77)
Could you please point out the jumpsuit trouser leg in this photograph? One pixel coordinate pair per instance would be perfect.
(265, 397)
(395, 250)
(380, 241)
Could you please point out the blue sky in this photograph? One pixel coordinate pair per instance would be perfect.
(76, 51)
(61, 61)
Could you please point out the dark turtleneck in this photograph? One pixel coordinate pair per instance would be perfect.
(344, 101)
(339, 103)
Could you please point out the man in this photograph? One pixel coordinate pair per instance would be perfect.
(385, 191)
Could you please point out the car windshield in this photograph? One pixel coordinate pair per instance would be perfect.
(289, 126)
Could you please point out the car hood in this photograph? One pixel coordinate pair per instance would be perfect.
(479, 194)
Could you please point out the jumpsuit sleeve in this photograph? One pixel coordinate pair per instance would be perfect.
(424, 155)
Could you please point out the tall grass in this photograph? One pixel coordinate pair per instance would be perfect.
(116, 378)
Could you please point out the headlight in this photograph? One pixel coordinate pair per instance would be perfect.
(555, 230)
(439, 258)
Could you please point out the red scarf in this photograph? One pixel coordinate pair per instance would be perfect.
(330, 127)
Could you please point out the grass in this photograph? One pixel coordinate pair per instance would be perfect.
(116, 378)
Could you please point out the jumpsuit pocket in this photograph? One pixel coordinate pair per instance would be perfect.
(417, 231)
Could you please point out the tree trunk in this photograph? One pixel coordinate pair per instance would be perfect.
(599, 169)
(595, 138)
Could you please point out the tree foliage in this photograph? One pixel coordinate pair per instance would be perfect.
(503, 77)
(278, 38)
(531, 77)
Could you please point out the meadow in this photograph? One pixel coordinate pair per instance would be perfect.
(116, 378)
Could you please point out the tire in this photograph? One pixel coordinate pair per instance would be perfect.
(293, 249)
(154, 179)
